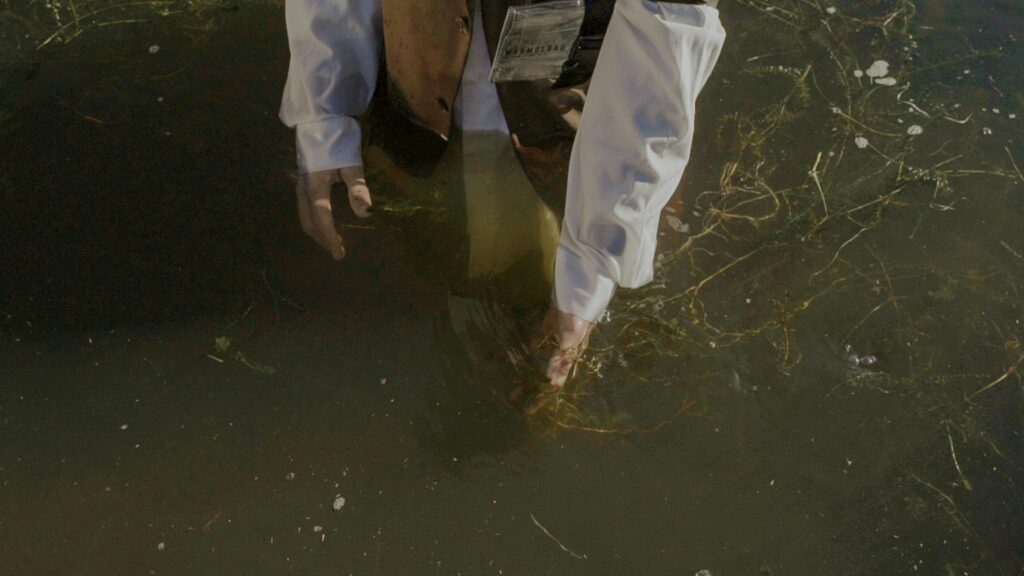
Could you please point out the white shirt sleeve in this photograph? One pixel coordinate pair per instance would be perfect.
(632, 147)
(335, 54)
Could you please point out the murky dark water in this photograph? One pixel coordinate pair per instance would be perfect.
(825, 378)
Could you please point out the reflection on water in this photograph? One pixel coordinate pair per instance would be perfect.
(187, 384)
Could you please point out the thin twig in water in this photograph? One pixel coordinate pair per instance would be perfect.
(1014, 162)
(1009, 372)
(275, 294)
(952, 450)
(556, 541)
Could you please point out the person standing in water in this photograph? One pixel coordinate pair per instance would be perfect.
(628, 152)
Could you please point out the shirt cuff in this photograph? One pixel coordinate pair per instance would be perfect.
(580, 289)
(328, 144)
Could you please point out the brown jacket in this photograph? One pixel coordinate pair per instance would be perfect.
(426, 43)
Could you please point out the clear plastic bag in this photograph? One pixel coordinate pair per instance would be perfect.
(536, 40)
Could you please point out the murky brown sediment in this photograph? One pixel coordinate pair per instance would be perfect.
(825, 377)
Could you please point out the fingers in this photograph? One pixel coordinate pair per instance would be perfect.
(359, 198)
(315, 189)
(304, 210)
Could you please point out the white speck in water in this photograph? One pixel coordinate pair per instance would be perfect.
(858, 73)
(836, 110)
(154, 49)
(986, 131)
(339, 503)
(878, 69)
(160, 546)
(915, 130)
(887, 81)
(289, 476)
(1012, 116)
(124, 426)
(703, 573)
(749, 300)
(831, 9)
(318, 528)
(995, 110)
(861, 142)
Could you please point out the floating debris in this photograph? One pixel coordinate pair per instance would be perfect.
(154, 49)
(318, 528)
(915, 130)
(863, 360)
(861, 142)
(124, 426)
(887, 81)
(160, 546)
(289, 476)
(339, 503)
(677, 224)
(986, 131)
(878, 69)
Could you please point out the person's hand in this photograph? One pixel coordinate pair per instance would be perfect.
(313, 195)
